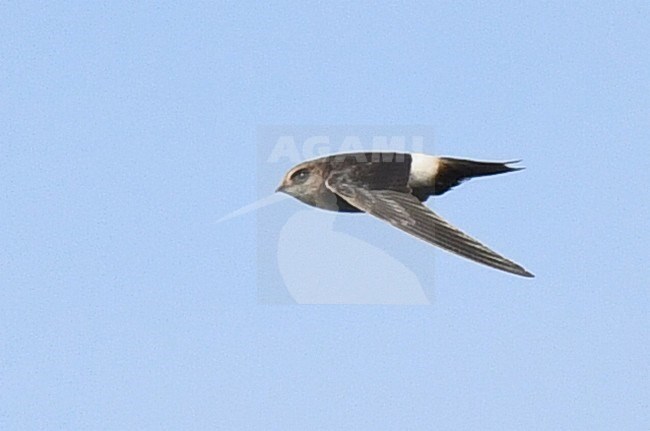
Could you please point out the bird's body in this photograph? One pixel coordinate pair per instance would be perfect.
(393, 187)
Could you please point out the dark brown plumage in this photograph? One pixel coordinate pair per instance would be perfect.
(392, 187)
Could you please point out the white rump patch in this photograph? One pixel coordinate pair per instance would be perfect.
(423, 169)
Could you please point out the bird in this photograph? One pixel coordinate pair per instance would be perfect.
(393, 187)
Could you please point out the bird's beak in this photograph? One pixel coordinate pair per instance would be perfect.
(280, 188)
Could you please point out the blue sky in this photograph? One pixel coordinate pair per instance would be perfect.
(127, 130)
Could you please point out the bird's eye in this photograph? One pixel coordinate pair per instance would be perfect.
(300, 175)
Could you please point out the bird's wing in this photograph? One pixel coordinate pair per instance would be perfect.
(406, 212)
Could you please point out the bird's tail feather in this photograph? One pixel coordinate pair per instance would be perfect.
(452, 172)
(463, 169)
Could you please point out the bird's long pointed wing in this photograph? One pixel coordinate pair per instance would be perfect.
(407, 213)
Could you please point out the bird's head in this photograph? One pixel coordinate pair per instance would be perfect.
(303, 182)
